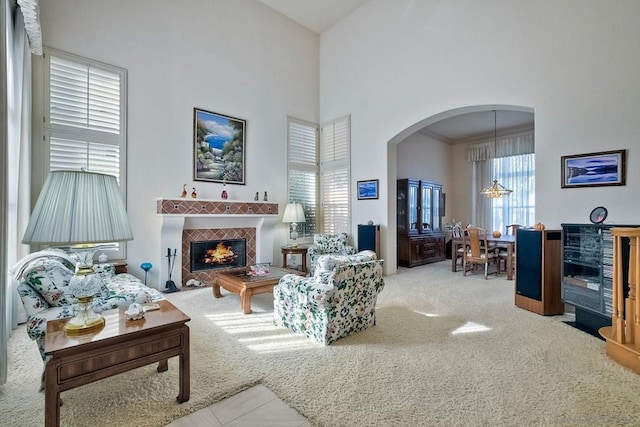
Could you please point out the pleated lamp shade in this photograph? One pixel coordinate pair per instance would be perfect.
(78, 207)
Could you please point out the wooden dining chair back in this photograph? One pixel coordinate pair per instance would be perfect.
(459, 249)
(478, 251)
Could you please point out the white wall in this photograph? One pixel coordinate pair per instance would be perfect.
(238, 58)
(391, 64)
(422, 157)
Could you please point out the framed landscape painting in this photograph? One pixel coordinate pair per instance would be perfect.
(368, 189)
(594, 169)
(218, 147)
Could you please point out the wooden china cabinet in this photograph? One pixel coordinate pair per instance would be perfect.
(419, 211)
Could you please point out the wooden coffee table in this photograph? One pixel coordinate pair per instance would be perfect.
(120, 346)
(246, 286)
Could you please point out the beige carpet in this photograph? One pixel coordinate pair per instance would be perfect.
(447, 350)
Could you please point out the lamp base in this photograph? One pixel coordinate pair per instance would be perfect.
(86, 320)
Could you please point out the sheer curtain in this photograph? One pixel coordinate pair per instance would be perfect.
(510, 160)
(16, 169)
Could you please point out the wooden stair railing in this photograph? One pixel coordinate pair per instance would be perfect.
(623, 336)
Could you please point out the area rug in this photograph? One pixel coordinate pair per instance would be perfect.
(447, 350)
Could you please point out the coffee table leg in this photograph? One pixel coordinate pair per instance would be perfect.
(245, 299)
(163, 365)
(216, 289)
(51, 397)
(184, 370)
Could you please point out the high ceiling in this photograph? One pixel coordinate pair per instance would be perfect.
(316, 15)
(320, 15)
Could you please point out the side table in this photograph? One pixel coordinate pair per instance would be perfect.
(298, 250)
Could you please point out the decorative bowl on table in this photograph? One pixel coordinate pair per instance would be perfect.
(259, 270)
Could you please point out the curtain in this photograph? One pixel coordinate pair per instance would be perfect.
(16, 167)
(510, 160)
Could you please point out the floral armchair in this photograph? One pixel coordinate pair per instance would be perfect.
(328, 244)
(338, 300)
(44, 290)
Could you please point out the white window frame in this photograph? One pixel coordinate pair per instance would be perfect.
(86, 135)
(311, 165)
(335, 158)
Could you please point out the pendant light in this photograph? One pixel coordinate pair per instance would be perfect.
(495, 190)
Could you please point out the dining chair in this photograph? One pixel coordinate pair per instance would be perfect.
(457, 232)
(477, 251)
(502, 251)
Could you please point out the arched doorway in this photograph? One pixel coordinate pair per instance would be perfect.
(445, 160)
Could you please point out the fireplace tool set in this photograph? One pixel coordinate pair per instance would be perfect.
(171, 286)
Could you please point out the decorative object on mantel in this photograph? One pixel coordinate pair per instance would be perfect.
(265, 197)
(294, 213)
(257, 196)
(600, 169)
(224, 193)
(219, 147)
(539, 227)
(495, 190)
(184, 191)
(194, 195)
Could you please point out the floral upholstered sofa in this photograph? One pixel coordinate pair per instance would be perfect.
(43, 286)
(328, 244)
(339, 299)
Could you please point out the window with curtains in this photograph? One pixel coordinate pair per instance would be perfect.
(516, 173)
(84, 124)
(335, 174)
(302, 166)
(510, 160)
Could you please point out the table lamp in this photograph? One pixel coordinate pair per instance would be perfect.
(294, 214)
(80, 210)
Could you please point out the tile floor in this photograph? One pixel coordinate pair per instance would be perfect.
(256, 406)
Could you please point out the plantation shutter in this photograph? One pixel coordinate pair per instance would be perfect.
(84, 96)
(302, 151)
(334, 172)
(84, 126)
(78, 155)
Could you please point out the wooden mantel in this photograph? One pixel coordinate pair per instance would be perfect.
(204, 207)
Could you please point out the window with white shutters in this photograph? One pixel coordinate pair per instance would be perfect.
(84, 124)
(302, 165)
(334, 172)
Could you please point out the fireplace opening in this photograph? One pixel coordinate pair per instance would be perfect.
(214, 254)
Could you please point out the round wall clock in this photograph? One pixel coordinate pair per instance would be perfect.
(598, 215)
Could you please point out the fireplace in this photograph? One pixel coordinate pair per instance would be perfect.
(216, 254)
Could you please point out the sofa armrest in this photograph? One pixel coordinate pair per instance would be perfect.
(306, 290)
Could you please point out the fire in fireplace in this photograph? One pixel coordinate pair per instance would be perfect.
(214, 254)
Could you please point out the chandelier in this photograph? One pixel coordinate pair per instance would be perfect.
(495, 190)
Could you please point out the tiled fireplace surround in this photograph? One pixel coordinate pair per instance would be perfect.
(186, 220)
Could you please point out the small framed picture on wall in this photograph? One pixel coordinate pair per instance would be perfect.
(368, 190)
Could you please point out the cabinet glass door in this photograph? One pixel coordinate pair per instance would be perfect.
(436, 209)
(426, 208)
(413, 208)
(581, 267)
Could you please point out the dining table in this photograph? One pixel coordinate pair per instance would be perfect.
(505, 241)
